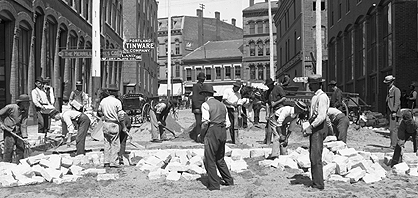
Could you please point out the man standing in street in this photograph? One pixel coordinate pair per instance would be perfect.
(49, 91)
(230, 99)
(158, 115)
(275, 98)
(339, 123)
(14, 120)
(110, 109)
(41, 102)
(317, 130)
(79, 97)
(412, 97)
(257, 104)
(393, 101)
(337, 95)
(68, 118)
(197, 101)
(213, 133)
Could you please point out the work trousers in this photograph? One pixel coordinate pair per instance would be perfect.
(214, 153)
(232, 127)
(257, 108)
(44, 122)
(123, 137)
(277, 148)
(315, 154)
(83, 126)
(198, 126)
(9, 142)
(393, 128)
(111, 142)
(245, 117)
(340, 127)
(157, 132)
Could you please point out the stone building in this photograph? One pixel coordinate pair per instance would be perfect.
(32, 33)
(369, 39)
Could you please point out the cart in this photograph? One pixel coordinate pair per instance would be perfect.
(137, 107)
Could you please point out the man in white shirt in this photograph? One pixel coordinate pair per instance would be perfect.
(41, 102)
(230, 99)
(68, 118)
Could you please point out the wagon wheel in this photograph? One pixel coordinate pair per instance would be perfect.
(352, 113)
(145, 112)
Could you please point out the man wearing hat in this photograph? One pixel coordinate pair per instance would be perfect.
(231, 98)
(213, 133)
(393, 101)
(110, 109)
(285, 116)
(197, 101)
(339, 123)
(41, 102)
(412, 97)
(49, 90)
(317, 130)
(407, 129)
(158, 115)
(337, 95)
(13, 119)
(78, 99)
(275, 98)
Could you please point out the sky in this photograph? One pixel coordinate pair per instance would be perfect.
(228, 8)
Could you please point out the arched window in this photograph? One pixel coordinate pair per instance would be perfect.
(260, 50)
(260, 68)
(252, 72)
(252, 48)
(177, 46)
(267, 44)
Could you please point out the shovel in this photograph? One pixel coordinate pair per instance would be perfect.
(27, 149)
(169, 130)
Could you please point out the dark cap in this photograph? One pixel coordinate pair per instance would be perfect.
(201, 75)
(39, 79)
(316, 78)
(113, 87)
(237, 84)
(332, 82)
(301, 105)
(46, 80)
(23, 98)
(78, 83)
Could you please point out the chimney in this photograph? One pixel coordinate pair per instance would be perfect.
(199, 12)
(217, 15)
(234, 21)
(251, 3)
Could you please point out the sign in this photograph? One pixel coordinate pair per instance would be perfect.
(300, 79)
(138, 46)
(124, 57)
(87, 53)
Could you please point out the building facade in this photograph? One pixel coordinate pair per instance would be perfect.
(140, 21)
(32, 33)
(296, 32)
(256, 41)
(189, 33)
(221, 61)
(369, 40)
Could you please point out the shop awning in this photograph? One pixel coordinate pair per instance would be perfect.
(177, 89)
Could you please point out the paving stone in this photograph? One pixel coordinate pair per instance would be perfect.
(81, 160)
(76, 170)
(410, 158)
(66, 179)
(24, 162)
(304, 161)
(379, 170)
(162, 155)
(327, 156)
(365, 165)
(266, 163)
(50, 173)
(302, 151)
(293, 154)
(347, 152)
(94, 171)
(238, 154)
(338, 178)
(341, 164)
(285, 161)
(355, 174)
(329, 169)
(354, 160)
(413, 172)
(8, 181)
(55, 161)
(94, 158)
(190, 177)
(22, 170)
(330, 138)
(334, 146)
(106, 177)
(197, 160)
(193, 168)
(371, 178)
(200, 152)
(400, 168)
(45, 163)
(238, 166)
(39, 179)
(156, 174)
(228, 151)
(154, 161)
(365, 155)
(182, 155)
(173, 176)
(66, 162)
(24, 181)
(35, 159)
(176, 167)
(258, 152)
(148, 167)
(377, 156)
(64, 170)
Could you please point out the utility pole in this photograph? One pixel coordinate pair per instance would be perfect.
(95, 59)
(318, 38)
(272, 71)
(169, 53)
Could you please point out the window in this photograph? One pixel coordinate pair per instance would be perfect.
(340, 10)
(177, 70)
(252, 48)
(267, 70)
(50, 47)
(259, 27)
(252, 72)
(267, 44)
(260, 72)
(188, 74)
(237, 72)
(208, 71)
(177, 46)
(266, 26)
(217, 72)
(166, 47)
(252, 27)
(198, 70)
(322, 5)
(227, 72)
(260, 48)
(23, 60)
(295, 43)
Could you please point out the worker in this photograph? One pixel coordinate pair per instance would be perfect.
(78, 99)
(257, 105)
(42, 106)
(68, 119)
(338, 123)
(317, 129)
(158, 115)
(231, 98)
(13, 119)
(412, 97)
(110, 109)
(285, 116)
(197, 101)
(214, 124)
(49, 90)
(393, 101)
(337, 96)
(407, 128)
(275, 98)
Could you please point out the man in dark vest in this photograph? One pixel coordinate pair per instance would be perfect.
(197, 101)
(213, 133)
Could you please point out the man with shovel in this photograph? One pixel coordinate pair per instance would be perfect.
(158, 115)
(15, 128)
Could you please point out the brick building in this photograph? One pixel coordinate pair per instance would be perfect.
(296, 47)
(369, 39)
(33, 32)
(256, 48)
(140, 21)
(187, 34)
(221, 61)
